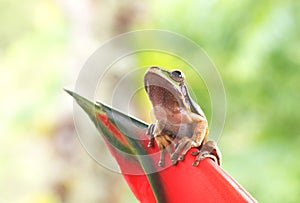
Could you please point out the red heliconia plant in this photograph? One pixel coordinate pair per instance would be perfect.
(126, 139)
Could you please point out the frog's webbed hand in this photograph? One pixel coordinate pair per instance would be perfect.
(164, 141)
(210, 150)
(183, 146)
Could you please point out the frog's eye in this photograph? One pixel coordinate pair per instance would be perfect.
(177, 75)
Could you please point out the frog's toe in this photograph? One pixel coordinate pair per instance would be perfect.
(196, 162)
(186, 148)
(195, 153)
(150, 143)
(163, 141)
(174, 156)
(169, 150)
(205, 155)
(161, 163)
(174, 162)
(209, 150)
(181, 157)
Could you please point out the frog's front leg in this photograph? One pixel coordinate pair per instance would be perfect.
(186, 143)
(162, 140)
(210, 150)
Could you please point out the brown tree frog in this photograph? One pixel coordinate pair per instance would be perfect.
(181, 122)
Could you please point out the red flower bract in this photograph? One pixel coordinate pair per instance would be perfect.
(125, 137)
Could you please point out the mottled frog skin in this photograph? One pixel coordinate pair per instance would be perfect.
(181, 123)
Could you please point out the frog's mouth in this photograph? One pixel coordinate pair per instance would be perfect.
(161, 90)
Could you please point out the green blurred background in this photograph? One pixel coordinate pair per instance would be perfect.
(43, 44)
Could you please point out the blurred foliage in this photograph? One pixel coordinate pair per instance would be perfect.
(43, 45)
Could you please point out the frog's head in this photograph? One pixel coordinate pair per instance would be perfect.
(162, 86)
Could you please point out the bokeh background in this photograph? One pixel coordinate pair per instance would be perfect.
(44, 44)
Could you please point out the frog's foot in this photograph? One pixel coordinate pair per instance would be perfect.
(182, 148)
(164, 144)
(208, 150)
(150, 131)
